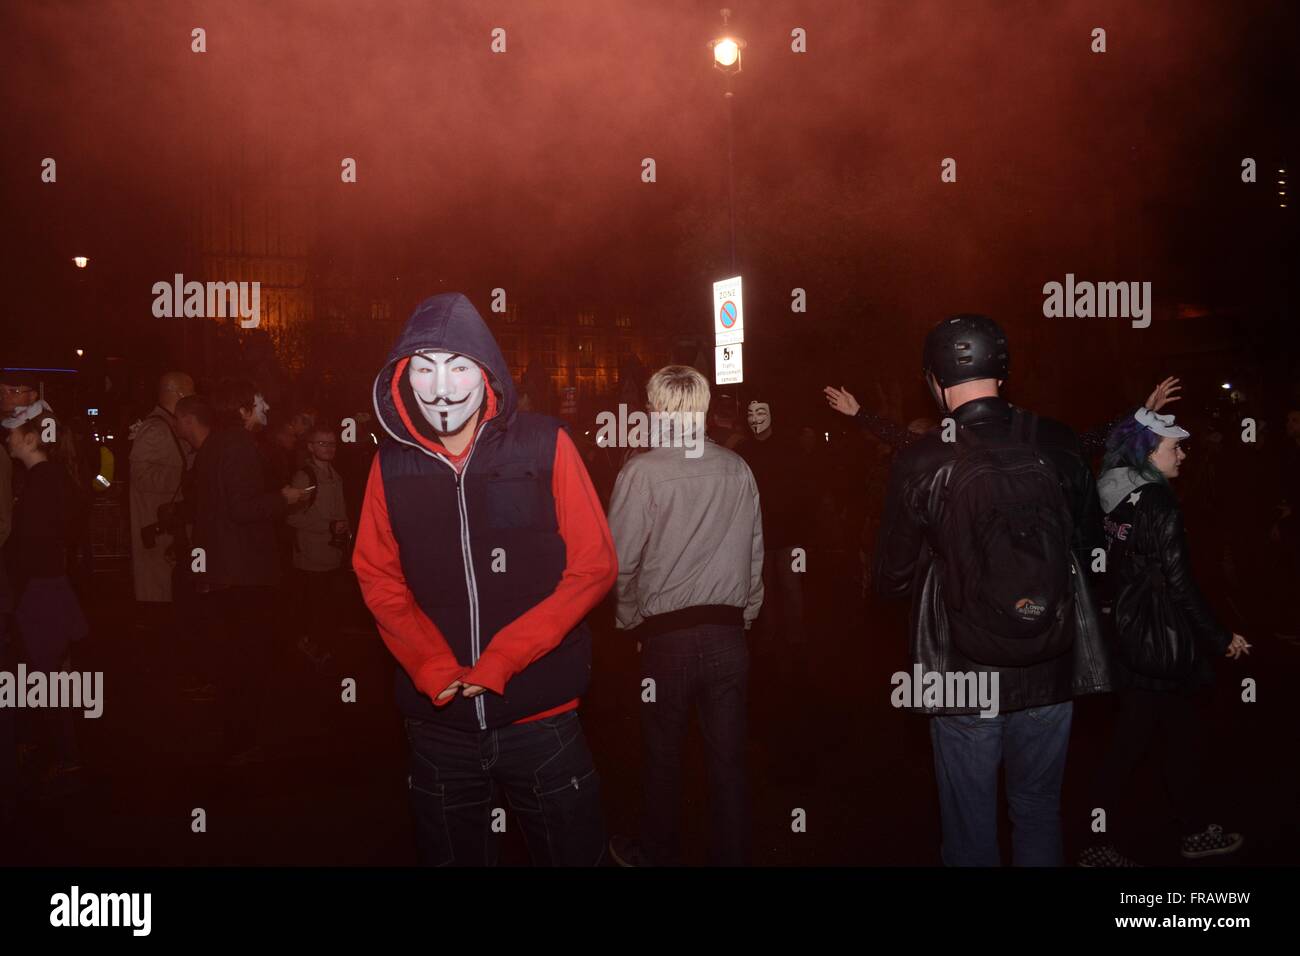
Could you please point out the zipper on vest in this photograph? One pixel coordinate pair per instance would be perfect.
(471, 584)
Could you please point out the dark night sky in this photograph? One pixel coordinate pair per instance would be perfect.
(522, 169)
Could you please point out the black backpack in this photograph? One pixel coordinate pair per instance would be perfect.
(1002, 539)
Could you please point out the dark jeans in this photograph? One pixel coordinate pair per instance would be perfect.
(1031, 744)
(241, 620)
(321, 606)
(706, 666)
(8, 741)
(548, 777)
(1168, 721)
(781, 621)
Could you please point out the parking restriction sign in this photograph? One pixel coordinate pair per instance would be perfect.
(728, 312)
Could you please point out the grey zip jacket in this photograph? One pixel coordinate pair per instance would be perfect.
(689, 533)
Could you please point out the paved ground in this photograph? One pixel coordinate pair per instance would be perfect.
(824, 739)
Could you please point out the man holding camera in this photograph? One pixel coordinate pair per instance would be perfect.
(158, 461)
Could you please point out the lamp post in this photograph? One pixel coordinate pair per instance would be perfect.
(726, 59)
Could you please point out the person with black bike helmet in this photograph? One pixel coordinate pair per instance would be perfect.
(988, 524)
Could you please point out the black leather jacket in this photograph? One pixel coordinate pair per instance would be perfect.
(1150, 530)
(905, 563)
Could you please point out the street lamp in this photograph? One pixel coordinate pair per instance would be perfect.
(80, 261)
(726, 49)
(726, 59)
(80, 352)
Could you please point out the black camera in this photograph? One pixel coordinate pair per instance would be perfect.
(169, 521)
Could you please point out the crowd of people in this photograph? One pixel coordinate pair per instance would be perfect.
(481, 536)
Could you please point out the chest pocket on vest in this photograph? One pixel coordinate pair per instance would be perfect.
(518, 496)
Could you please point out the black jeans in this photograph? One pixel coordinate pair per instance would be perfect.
(8, 741)
(321, 606)
(1168, 721)
(241, 620)
(706, 666)
(548, 777)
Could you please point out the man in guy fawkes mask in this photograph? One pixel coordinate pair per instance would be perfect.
(775, 462)
(481, 548)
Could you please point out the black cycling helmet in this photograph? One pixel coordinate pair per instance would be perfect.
(966, 347)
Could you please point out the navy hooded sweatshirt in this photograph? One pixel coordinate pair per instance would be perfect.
(479, 568)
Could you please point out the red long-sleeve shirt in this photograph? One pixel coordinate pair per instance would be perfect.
(591, 566)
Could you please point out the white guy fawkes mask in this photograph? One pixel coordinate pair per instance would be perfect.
(759, 417)
(449, 388)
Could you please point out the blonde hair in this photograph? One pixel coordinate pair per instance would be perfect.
(678, 388)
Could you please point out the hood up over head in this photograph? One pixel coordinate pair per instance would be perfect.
(443, 323)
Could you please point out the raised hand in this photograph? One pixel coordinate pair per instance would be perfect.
(1163, 394)
(841, 400)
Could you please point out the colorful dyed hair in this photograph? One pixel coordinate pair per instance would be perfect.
(1129, 445)
(60, 449)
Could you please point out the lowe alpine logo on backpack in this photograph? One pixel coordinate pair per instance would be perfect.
(1003, 540)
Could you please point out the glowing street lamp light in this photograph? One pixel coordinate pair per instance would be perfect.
(80, 261)
(726, 54)
(80, 352)
(726, 49)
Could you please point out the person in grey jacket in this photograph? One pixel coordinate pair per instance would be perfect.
(689, 535)
(320, 546)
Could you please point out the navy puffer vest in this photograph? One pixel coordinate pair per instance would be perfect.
(478, 550)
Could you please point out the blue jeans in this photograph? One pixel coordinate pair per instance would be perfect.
(549, 780)
(707, 667)
(967, 752)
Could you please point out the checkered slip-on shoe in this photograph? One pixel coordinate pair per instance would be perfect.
(1104, 856)
(1211, 841)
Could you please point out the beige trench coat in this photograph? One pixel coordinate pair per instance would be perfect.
(157, 467)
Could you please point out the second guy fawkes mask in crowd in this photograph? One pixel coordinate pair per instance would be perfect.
(759, 417)
(449, 388)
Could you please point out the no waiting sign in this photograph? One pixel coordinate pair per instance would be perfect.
(728, 312)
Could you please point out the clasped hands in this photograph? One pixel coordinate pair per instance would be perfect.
(467, 690)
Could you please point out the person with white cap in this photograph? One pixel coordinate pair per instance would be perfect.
(1165, 636)
(47, 612)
